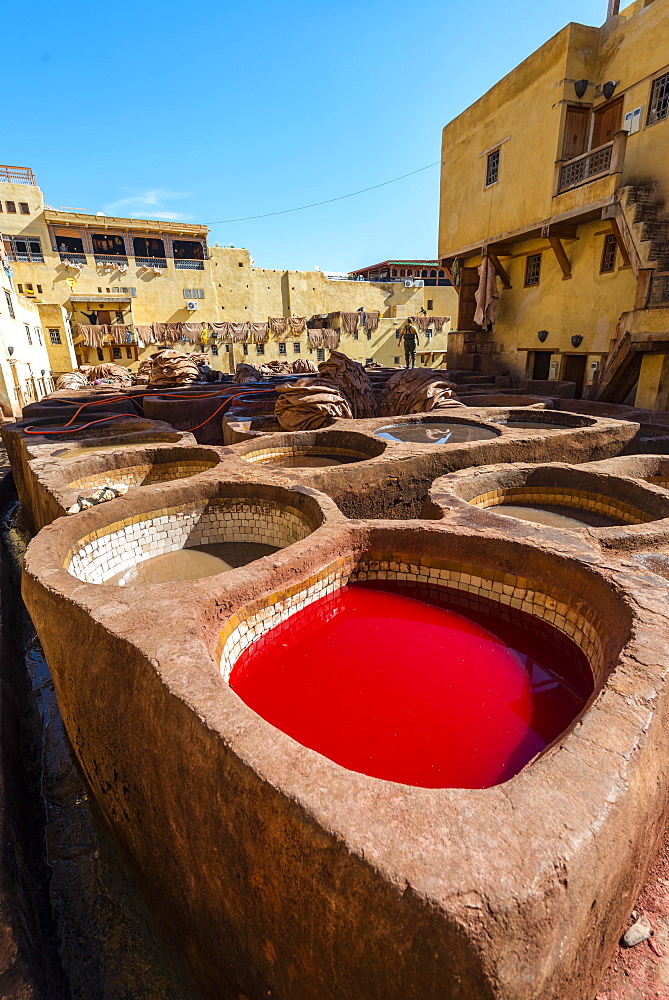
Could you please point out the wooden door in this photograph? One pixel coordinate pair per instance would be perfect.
(104, 317)
(469, 282)
(574, 371)
(576, 130)
(607, 122)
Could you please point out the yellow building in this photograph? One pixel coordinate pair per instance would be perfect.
(90, 271)
(558, 178)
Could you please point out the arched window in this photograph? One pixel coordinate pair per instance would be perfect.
(423, 273)
(409, 272)
(402, 273)
(441, 274)
(433, 273)
(394, 272)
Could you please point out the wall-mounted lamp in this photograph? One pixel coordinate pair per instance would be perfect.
(542, 334)
(608, 89)
(10, 351)
(580, 86)
(576, 340)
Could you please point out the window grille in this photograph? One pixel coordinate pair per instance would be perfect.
(128, 352)
(492, 168)
(24, 248)
(533, 269)
(214, 349)
(296, 347)
(54, 336)
(396, 360)
(609, 253)
(193, 293)
(320, 354)
(116, 353)
(245, 348)
(30, 339)
(260, 348)
(659, 99)
(10, 305)
(11, 207)
(23, 207)
(282, 348)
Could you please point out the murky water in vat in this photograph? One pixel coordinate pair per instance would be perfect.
(309, 461)
(90, 450)
(410, 691)
(191, 563)
(556, 516)
(435, 432)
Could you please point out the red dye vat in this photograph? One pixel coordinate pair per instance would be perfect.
(413, 691)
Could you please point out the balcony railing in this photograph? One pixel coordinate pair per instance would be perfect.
(73, 258)
(151, 262)
(596, 163)
(17, 175)
(189, 265)
(34, 257)
(659, 290)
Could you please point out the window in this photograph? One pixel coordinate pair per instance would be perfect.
(260, 348)
(132, 292)
(193, 293)
(282, 348)
(394, 272)
(101, 356)
(146, 246)
(214, 349)
(320, 354)
(116, 353)
(9, 304)
(401, 272)
(23, 208)
(187, 250)
(24, 248)
(532, 269)
(227, 348)
(39, 289)
(442, 274)
(369, 361)
(492, 168)
(38, 334)
(30, 339)
(608, 254)
(20, 288)
(108, 245)
(54, 336)
(69, 244)
(119, 317)
(423, 273)
(659, 100)
(128, 353)
(296, 347)
(245, 348)
(11, 207)
(430, 304)
(396, 360)
(433, 273)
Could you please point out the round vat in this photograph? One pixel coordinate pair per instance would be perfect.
(548, 420)
(139, 468)
(79, 450)
(436, 431)
(557, 496)
(428, 676)
(312, 449)
(194, 539)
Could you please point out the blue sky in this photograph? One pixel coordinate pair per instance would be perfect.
(214, 111)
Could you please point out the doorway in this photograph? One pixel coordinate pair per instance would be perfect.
(576, 131)
(469, 282)
(574, 371)
(542, 365)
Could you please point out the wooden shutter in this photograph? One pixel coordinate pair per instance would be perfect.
(608, 121)
(576, 129)
(469, 282)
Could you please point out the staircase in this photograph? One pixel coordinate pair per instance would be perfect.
(644, 226)
(648, 223)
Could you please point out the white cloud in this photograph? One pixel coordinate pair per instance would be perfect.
(148, 204)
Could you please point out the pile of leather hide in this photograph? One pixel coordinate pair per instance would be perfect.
(170, 368)
(309, 403)
(417, 390)
(352, 381)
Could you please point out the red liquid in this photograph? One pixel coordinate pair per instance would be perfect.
(411, 691)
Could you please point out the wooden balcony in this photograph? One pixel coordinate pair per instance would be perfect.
(591, 166)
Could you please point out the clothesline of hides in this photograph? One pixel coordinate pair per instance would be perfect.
(94, 335)
(349, 321)
(324, 338)
(425, 322)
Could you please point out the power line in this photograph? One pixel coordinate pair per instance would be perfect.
(327, 201)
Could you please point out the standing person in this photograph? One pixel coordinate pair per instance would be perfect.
(410, 335)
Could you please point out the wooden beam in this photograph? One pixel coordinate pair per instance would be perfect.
(500, 249)
(643, 280)
(562, 258)
(563, 230)
(499, 269)
(620, 240)
(449, 275)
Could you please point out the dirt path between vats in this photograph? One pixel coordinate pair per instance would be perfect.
(642, 972)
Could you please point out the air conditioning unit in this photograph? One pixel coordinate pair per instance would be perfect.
(419, 283)
(191, 306)
(408, 284)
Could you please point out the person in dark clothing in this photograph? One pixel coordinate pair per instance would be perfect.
(92, 317)
(410, 336)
